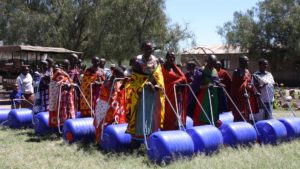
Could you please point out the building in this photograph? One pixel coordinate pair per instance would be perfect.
(228, 56)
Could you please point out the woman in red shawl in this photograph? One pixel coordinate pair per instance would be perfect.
(225, 79)
(173, 76)
(242, 90)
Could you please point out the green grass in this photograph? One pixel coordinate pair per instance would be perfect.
(22, 149)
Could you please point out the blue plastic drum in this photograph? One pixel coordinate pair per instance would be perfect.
(238, 133)
(19, 118)
(292, 125)
(115, 139)
(207, 139)
(80, 129)
(41, 123)
(270, 131)
(226, 117)
(3, 116)
(169, 145)
(189, 122)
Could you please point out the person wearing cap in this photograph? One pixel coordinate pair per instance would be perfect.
(111, 103)
(206, 86)
(25, 82)
(225, 79)
(92, 77)
(147, 76)
(242, 92)
(173, 76)
(61, 89)
(264, 83)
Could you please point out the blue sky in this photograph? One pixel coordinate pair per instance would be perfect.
(203, 16)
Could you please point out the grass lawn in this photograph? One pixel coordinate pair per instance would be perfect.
(22, 149)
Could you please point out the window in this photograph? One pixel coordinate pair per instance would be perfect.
(225, 63)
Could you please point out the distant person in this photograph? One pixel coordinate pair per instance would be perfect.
(264, 83)
(191, 68)
(25, 82)
(16, 94)
(50, 67)
(74, 73)
(242, 91)
(41, 103)
(225, 79)
(107, 72)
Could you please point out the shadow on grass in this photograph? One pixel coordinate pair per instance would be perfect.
(32, 137)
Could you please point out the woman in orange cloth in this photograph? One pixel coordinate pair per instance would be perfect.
(242, 91)
(111, 106)
(92, 76)
(66, 110)
(173, 76)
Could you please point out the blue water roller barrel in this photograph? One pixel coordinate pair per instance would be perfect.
(115, 139)
(189, 122)
(19, 118)
(238, 133)
(3, 116)
(207, 139)
(79, 129)
(270, 131)
(292, 125)
(169, 145)
(226, 117)
(41, 123)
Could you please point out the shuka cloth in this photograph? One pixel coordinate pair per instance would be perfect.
(206, 77)
(241, 83)
(112, 108)
(154, 103)
(67, 103)
(90, 77)
(172, 78)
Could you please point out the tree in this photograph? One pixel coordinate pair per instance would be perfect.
(110, 29)
(271, 29)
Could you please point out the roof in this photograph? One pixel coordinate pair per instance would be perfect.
(214, 49)
(19, 48)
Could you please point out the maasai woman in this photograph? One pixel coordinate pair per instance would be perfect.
(41, 103)
(61, 80)
(242, 91)
(74, 73)
(173, 76)
(204, 83)
(92, 76)
(225, 79)
(112, 106)
(146, 74)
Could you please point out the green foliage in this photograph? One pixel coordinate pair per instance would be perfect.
(111, 29)
(271, 28)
